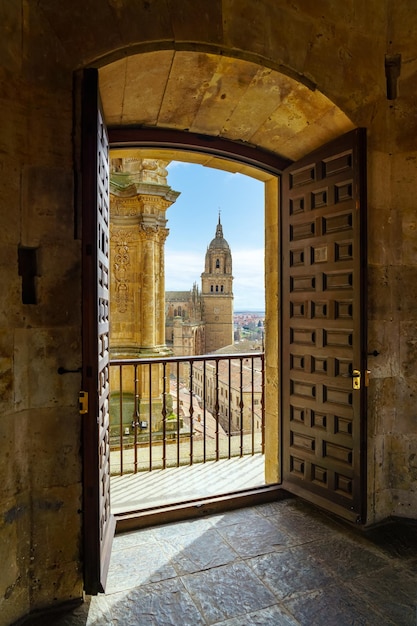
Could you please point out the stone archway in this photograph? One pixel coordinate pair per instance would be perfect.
(234, 99)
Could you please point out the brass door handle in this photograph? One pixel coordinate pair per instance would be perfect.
(356, 379)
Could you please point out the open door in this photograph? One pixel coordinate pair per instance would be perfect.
(323, 326)
(99, 524)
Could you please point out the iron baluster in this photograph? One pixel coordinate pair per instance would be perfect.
(229, 434)
(178, 414)
(150, 417)
(164, 417)
(191, 412)
(121, 417)
(241, 405)
(136, 418)
(216, 409)
(253, 405)
(262, 403)
(204, 411)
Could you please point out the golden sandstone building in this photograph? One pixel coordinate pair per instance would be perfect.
(317, 100)
(198, 322)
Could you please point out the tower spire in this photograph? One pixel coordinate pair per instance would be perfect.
(219, 229)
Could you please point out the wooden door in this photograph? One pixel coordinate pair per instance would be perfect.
(99, 524)
(323, 326)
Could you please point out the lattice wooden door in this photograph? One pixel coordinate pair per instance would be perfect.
(99, 524)
(323, 359)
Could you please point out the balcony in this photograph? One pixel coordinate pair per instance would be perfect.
(185, 428)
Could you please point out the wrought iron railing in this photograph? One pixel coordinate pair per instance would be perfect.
(173, 411)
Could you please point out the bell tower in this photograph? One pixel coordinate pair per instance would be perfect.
(217, 292)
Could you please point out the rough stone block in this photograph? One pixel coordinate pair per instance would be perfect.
(404, 172)
(54, 451)
(47, 206)
(56, 530)
(382, 305)
(383, 337)
(408, 349)
(38, 354)
(384, 237)
(382, 407)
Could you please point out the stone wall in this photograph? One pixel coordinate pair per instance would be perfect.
(40, 463)
(338, 47)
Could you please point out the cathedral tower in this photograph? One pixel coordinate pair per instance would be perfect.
(217, 293)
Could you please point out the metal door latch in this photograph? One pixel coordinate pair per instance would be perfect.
(83, 402)
(356, 379)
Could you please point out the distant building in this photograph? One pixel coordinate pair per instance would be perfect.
(239, 397)
(198, 322)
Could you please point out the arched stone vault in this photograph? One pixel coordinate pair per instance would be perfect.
(219, 96)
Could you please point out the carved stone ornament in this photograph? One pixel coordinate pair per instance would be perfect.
(121, 263)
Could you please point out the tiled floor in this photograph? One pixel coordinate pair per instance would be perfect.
(282, 563)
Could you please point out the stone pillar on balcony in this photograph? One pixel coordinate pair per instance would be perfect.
(139, 199)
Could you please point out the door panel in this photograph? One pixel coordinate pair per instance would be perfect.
(323, 239)
(99, 524)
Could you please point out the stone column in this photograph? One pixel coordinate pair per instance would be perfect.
(139, 200)
(148, 300)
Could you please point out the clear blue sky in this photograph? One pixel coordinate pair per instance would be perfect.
(192, 222)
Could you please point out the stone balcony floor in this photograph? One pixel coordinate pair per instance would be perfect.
(145, 490)
(284, 563)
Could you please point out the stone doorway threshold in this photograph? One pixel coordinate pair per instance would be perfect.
(161, 496)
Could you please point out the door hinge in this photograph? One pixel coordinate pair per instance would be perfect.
(83, 402)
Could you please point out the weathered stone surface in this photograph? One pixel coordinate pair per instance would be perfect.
(214, 95)
(37, 358)
(45, 207)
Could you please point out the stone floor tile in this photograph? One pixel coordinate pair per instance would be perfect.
(347, 559)
(93, 612)
(193, 552)
(306, 527)
(169, 532)
(412, 565)
(335, 606)
(255, 536)
(227, 592)
(77, 616)
(271, 616)
(290, 571)
(166, 603)
(138, 565)
(245, 515)
(133, 538)
(397, 539)
(99, 613)
(393, 591)
(274, 508)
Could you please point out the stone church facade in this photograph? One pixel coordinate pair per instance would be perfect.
(201, 321)
(280, 78)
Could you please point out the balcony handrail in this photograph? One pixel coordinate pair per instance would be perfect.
(240, 422)
(188, 359)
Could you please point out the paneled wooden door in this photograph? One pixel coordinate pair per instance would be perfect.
(99, 524)
(323, 326)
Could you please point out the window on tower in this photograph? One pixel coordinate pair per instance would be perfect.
(217, 263)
